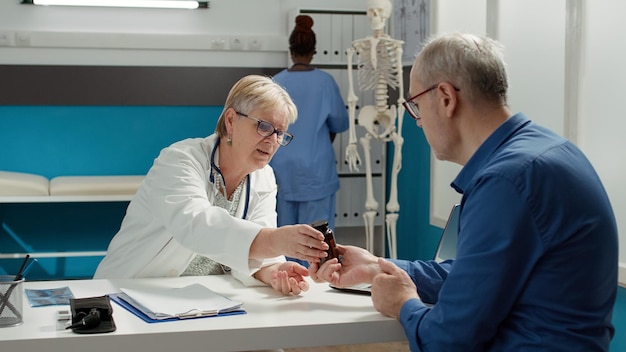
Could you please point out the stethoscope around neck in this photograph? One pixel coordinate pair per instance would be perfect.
(214, 167)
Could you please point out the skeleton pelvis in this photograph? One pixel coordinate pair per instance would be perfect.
(379, 125)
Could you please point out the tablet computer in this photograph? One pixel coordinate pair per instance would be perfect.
(364, 289)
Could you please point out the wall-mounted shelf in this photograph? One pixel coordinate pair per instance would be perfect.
(65, 199)
(53, 254)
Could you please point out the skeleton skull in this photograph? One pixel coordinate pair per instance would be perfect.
(378, 11)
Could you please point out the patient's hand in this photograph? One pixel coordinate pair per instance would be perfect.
(357, 266)
(287, 277)
(391, 289)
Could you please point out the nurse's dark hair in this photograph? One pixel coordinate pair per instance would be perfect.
(471, 63)
(256, 92)
(302, 39)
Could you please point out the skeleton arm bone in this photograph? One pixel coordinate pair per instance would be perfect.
(400, 86)
(352, 154)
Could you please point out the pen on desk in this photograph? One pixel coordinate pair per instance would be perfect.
(21, 271)
(28, 267)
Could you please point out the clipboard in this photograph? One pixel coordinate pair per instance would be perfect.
(119, 300)
(168, 304)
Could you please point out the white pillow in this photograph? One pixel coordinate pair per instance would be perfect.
(94, 185)
(22, 184)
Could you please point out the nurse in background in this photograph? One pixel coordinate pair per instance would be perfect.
(207, 205)
(306, 172)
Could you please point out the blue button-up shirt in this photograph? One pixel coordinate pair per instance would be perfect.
(536, 265)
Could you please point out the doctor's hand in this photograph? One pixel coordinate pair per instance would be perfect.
(391, 289)
(296, 241)
(357, 266)
(287, 278)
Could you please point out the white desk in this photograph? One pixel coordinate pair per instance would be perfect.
(321, 316)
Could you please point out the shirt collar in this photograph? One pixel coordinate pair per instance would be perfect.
(484, 152)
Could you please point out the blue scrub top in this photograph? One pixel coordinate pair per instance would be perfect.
(306, 169)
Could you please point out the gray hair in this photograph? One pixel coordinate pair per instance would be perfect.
(255, 91)
(473, 64)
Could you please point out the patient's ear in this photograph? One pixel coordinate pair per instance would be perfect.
(449, 98)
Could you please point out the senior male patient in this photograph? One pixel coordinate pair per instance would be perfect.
(536, 264)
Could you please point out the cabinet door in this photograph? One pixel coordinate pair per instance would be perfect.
(343, 206)
(322, 26)
(337, 45)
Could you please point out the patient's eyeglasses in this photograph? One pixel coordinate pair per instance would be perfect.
(411, 107)
(266, 129)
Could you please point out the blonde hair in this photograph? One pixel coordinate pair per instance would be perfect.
(255, 91)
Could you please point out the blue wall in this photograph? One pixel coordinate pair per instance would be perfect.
(95, 140)
(417, 239)
(57, 227)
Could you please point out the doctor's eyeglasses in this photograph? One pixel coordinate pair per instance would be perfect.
(265, 129)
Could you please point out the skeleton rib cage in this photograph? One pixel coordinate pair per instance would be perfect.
(377, 66)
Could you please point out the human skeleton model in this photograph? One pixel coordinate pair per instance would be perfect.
(379, 64)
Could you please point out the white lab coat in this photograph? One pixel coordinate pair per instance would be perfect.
(171, 219)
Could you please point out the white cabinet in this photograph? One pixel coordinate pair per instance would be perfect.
(335, 32)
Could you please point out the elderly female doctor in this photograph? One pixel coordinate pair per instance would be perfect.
(208, 205)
